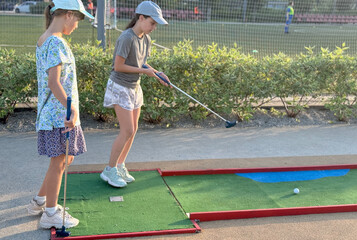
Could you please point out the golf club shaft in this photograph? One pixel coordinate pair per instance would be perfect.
(65, 182)
(69, 103)
(177, 88)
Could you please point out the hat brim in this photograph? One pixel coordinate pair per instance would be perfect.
(87, 14)
(160, 20)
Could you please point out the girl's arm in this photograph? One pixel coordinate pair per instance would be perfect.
(55, 85)
(120, 66)
(151, 67)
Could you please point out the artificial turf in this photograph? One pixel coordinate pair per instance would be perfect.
(147, 206)
(227, 192)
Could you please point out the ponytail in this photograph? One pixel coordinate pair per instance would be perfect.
(134, 20)
(48, 15)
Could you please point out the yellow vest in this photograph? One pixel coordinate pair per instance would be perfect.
(291, 12)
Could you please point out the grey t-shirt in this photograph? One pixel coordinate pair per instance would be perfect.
(135, 50)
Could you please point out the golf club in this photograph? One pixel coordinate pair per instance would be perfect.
(63, 232)
(229, 124)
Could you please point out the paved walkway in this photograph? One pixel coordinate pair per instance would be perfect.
(22, 171)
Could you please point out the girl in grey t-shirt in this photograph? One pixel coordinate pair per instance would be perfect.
(123, 92)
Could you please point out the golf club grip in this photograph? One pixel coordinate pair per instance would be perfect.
(163, 79)
(69, 103)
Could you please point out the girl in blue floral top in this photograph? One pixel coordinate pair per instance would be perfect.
(56, 75)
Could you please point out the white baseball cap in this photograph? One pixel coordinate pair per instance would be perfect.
(151, 9)
(75, 5)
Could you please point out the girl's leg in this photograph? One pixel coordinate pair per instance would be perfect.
(126, 149)
(127, 130)
(43, 189)
(45, 198)
(53, 180)
(53, 216)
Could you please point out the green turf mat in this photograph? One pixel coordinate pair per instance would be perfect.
(147, 206)
(226, 192)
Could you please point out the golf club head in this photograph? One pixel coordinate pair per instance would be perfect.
(62, 232)
(230, 124)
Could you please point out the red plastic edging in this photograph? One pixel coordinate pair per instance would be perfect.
(275, 212)
(251, 170)
(196, 229)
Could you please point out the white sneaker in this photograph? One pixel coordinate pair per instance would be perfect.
(34, 208)
(123, 171)
(113, 177)
(56, 220)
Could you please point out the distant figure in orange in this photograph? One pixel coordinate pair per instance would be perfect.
(196, 12)
(90, 6)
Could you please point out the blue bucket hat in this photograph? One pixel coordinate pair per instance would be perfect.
(75, 5)
(151, 9)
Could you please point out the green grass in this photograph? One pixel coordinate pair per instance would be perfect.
(25, 30)
(205, 193)
(265, 38)
(147, 205)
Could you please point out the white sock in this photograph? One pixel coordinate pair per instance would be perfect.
(120, 165)
(51, 210)
(40, 199)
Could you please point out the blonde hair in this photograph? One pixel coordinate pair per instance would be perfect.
(59, 12)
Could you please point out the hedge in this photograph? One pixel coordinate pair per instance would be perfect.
(17, 81)
(226, 80)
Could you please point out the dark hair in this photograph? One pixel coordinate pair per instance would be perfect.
(134, 20)
(59, 12)
(291, 2)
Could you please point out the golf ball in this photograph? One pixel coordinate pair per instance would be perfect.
(296, 190)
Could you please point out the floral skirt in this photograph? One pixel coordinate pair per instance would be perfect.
(53, 142)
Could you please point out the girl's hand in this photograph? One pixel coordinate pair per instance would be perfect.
(150, 72)
(164, 76)
(71, 123)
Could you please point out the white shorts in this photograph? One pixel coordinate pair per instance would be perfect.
(126, 98)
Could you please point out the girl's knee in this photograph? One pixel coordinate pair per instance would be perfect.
(128, 133)
(59, 162)
(70, 160)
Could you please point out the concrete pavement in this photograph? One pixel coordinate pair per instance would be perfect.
(22, 171)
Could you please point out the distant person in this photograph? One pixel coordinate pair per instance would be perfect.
(289, 16)
(56, 76)
(196, 12)
(90, 6)
(124, 92)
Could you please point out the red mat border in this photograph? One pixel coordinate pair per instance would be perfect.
(255, 213)
(274, 212)
(196, 228)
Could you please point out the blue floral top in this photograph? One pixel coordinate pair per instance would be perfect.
(50, 112)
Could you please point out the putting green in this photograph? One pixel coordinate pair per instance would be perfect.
(226, 192)
(147, 206)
